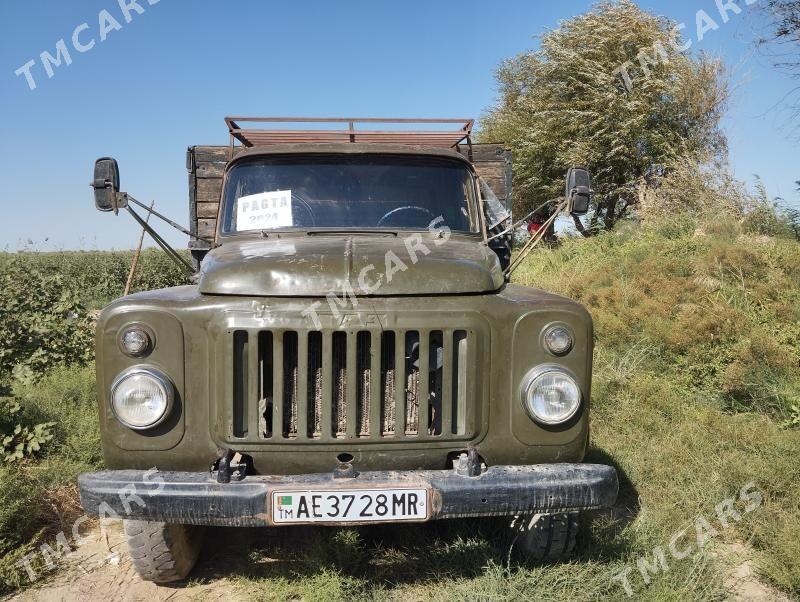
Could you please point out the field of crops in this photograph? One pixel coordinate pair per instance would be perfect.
(696, 395)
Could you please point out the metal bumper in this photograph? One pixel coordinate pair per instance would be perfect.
(198, 499)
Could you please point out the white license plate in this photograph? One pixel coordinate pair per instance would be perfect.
(350, 506)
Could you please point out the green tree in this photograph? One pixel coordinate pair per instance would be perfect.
(613, 90)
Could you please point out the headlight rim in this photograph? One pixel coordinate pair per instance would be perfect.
(538, 372)
(548, 329)
(158, 375)
(148, 332)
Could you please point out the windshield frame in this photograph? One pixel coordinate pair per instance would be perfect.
(479, 217)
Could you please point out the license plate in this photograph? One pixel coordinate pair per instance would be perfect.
(350, 506)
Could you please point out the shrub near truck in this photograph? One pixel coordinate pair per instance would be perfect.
(445, 392)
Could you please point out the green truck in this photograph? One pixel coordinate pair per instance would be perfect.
(351, 352)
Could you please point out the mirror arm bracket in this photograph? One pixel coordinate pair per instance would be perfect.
(165, 246)
(167, 220)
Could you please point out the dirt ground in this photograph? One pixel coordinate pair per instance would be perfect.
(101, 570)
(742, 581)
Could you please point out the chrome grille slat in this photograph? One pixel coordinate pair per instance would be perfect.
(329, 385)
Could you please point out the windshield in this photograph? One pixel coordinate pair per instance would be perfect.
(349, 192)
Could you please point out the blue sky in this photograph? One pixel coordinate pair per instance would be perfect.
(165, 81)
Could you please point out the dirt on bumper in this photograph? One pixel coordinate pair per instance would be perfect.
(199, 499)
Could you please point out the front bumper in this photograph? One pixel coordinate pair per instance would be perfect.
(198, 499)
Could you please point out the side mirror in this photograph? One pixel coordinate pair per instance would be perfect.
(106, 184)
(578, 191)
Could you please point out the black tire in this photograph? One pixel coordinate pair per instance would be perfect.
(545, 537)
(163, 552)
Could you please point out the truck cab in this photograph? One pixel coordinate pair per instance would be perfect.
(351, 352)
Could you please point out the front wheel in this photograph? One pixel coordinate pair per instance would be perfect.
(545, 537)
(163, 552)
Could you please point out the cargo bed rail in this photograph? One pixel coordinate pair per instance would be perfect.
(413, 132)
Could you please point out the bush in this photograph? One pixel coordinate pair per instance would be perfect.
(19, 440)
(42, 323)
(691, 194)
(100, 276)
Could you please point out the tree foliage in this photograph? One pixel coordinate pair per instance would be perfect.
(610, 90)
(784, 21)
(782, 42)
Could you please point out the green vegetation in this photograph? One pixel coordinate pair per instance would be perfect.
(697, 369)
(48, 417)
(612, 91)
(696, 386)
(42, 321)
(97, 277)
(39, 497)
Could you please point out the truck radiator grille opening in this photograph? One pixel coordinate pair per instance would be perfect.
(388, 365)
(265, 404)
(339, 361)
(314, 384)
(412, 383)
(290, 385)
(363, 373)
(435, 365)
(240, 383)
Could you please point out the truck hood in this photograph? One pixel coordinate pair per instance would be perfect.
(316, 265)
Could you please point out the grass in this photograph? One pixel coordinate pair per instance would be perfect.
(40, 498)
(697, 367)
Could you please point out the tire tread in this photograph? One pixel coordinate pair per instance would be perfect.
(546, 537)
(162, 552)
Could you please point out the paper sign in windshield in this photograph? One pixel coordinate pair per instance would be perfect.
(264, 211)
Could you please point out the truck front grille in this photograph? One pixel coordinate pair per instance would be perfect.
(396, 385)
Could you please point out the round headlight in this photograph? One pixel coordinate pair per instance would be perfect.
(141, 398)
(558, 340)
(551, 396)
(135, 341)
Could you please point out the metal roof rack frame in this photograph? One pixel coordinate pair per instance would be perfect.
(443, 138)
